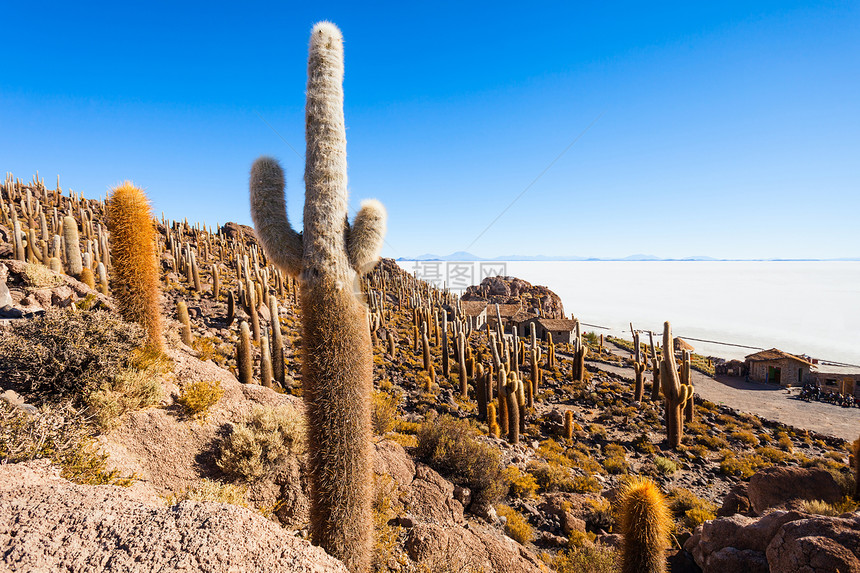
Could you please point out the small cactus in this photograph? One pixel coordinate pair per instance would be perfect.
(231, 308)
(645, 524)
(88, 278)
(568, 425)
(278, 367)
(513, 409)
(265, 363)
(182, 315)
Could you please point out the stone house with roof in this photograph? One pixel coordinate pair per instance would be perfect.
(475, 312)
(507, 312)
(562, 329)
(777, 367)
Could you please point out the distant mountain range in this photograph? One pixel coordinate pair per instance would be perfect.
(464, 256)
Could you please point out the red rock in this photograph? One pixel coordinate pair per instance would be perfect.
(776, 486)
(816, 545)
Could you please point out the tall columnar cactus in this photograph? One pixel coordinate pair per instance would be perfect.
(244, 360)
(856, 450)
(676, 394)
(278, 368)
(645, 524)
(73, 246)
(329, 257)
(655, 368)
(135, 272)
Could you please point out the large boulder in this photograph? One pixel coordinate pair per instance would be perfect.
(50, 524)
(777, 486)
(816, 545)
(725, 543)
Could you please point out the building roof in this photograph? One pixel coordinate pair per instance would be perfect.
(774, 354)
(506, 310)
(473, 307)
(557, 324)
(523, 316)
(681, 344)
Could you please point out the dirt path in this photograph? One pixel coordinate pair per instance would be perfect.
(765, 400)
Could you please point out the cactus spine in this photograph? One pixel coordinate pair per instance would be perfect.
(645, 523)
(135, 275)
(337, 355)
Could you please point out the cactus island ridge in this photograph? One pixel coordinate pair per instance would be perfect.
(328, 257)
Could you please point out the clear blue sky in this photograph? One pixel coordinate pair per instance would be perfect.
(728, 129)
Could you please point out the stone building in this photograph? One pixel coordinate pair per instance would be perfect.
(475, 312)
(562, 329)
(777, 367)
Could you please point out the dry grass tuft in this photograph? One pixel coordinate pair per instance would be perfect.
(261, 442)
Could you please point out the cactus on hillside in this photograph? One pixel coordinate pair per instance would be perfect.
(185, 320)
(135, 272)
(74, 260)
(676, 394)
(244, 361)
(646, 523)
(855, 446)
(329, 258)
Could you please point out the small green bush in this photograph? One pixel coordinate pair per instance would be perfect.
(516, 526)
(665, 466)
(522, 484)
(587, 558)
(261, 442)
(128, 390)
(384, 412)
(198, 397)
(451, 448)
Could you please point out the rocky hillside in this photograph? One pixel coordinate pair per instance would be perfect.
(178, 439)
(512, 290)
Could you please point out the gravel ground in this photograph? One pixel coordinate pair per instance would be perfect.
(765, 400)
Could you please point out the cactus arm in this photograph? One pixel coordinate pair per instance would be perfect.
(365, 236)
(281, 243)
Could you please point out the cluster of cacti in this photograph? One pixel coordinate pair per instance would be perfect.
(675, 393)
(646, 523)
(329, 256)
